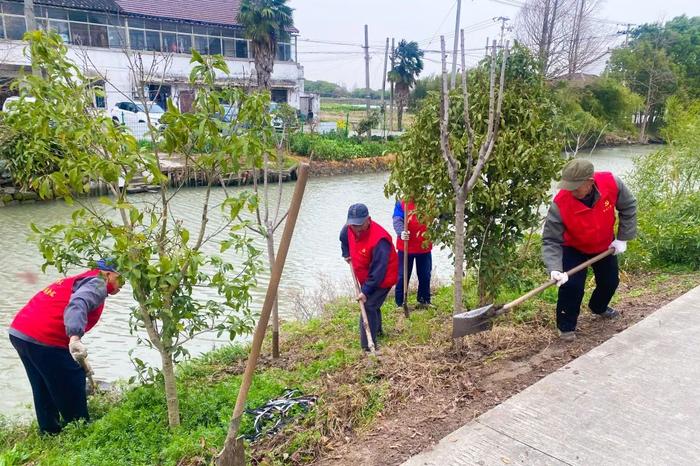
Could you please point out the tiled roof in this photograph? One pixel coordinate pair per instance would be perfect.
(94, 5)
(207, 11)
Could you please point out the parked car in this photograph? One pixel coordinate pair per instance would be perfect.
(11, 101)
(277, 122)
(133, 116)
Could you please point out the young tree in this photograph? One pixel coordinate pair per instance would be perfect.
(153, 248)
(407, 62)
(265, 22)
(495, 201)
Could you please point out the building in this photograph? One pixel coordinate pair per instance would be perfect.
(104, 36)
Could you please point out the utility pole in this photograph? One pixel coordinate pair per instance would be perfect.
(386, 58)
(486, 51)
(453, 82)
(391, 86)
(30, 22)
(627, 32)
(366, 47)
(503, 21)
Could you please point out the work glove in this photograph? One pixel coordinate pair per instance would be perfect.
(620, 246)
(77, 350)
(560, 277)
(405, 235)
(362, 298)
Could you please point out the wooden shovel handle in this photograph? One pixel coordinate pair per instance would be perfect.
(88, 372)
(546, 285)
(363, 311)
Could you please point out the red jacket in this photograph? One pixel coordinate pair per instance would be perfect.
(42, 317)
(590, 229)
(361, 254)
(416, 229)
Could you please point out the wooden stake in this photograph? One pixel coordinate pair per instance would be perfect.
(233, 453)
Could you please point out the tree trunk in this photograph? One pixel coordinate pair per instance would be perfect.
(275, 309)
(543, 38)
(170, 390)
(401, 99)
(460, 207)
(264, 64)
(647, 113)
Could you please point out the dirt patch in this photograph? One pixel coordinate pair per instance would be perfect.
(436, 389)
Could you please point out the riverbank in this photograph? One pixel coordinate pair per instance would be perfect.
(367, 412)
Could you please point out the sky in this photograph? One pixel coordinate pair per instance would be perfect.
(342, 22)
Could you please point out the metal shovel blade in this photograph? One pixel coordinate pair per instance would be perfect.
(470, 322)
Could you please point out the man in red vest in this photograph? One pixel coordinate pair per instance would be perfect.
(418, 251)
(46, 333)
(368, 247)
(581, 224)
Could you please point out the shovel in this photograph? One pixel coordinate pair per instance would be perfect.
(479, 320)
(88, 373)
(363, 312)
(405, 274)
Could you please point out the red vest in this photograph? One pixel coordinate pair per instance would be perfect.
(361, 254)
(42, 317)
(590, 229)
(416, 229)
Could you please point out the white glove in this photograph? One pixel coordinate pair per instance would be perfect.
(405, 235)
(620, 246)
(560, 277)
(77, 349)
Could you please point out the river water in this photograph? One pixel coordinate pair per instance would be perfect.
(313, 267)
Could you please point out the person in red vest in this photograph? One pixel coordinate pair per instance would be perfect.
(47, 333)
(368, 247)
(419, 251)
(581, 224)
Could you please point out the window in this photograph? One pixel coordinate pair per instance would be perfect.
(97, 18)
(214, 46)
(184, 28)
(75, 15)
(200, 30)
(184, 43)
(116, 37)
(279, 95)
(284, 52)
(201, 44)
(150, 24)
(2, 30)
(229, 47)
(15, 26)
(137, 40)
(228, 32)
(61, 28)
(153, 41)
(79, 33)
(168, 26)
(136, 23)
(241, 49)
(13, 8)
(98, 36)
(169, 43)
(56, 13)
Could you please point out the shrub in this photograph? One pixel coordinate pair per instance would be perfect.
(334, 146)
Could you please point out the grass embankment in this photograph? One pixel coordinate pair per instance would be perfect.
(354, 113)
(419, 384)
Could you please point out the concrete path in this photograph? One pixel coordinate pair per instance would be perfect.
(634, 400)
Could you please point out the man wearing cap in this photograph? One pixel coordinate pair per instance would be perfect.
(581, 224)
(46, 333)
(368, 248)
(419, 250)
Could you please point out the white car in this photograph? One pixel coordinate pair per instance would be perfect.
(133, 116)
(11, 101)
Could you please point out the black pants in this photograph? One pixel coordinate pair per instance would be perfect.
(607, 277)
(373, 308)
(58, 384)
(424, 267)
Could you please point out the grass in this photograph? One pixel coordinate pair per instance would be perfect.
(320, 357)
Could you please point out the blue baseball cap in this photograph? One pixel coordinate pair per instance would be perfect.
(357, 214)
(106, 265)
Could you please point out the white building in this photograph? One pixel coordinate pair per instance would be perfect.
(106, 35)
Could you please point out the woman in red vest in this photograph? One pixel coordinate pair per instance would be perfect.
(368, 247)
(581, 224)
(419, 251)
(46, 333)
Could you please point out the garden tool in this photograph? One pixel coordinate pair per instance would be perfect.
(479, 320)
(363, 312)
(405, 268)
(88, 373)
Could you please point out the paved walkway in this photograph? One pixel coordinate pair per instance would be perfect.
(634, 400)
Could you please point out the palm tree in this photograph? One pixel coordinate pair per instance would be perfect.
(408, 59)
(265, 22)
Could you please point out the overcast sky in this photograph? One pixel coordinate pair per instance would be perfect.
(424, 21)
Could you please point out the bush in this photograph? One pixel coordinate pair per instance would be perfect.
(334, 146)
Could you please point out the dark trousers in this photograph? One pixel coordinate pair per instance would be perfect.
(424, 267)
(373, 308)
(58, 384)
(607, 277)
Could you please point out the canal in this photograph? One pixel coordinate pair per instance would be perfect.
(314, 267)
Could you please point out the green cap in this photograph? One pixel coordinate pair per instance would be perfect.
(575, 173)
